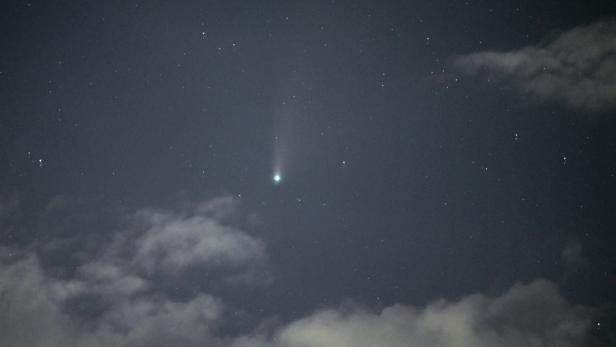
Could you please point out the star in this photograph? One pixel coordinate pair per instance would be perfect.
(277, 178)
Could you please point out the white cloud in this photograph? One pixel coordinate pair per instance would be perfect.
(108, 279)
(165, 243)
(29, 315)
(173, 243)
(577, 68)
(220, 208)
(526, 315)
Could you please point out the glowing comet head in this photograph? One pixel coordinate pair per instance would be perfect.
(277, 178)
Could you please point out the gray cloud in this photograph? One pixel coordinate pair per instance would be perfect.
(526, 315)
(125, 307)
(577, 68)
(32, 314)
(172, 243)
(167, 243)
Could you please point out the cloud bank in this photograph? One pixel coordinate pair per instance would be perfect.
(116, 298)
(526, 315)
(577, 68)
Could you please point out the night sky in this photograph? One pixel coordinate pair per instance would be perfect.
(308, 173)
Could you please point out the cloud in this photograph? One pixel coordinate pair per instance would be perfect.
(173, 243)
(167, 244)
(115, 298)
(526, 315)
(60, 202)
(577, 68)
(33, 313)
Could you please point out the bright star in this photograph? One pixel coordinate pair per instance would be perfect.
(277, 178)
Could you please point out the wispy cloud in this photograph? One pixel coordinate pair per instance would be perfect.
(577, 68)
